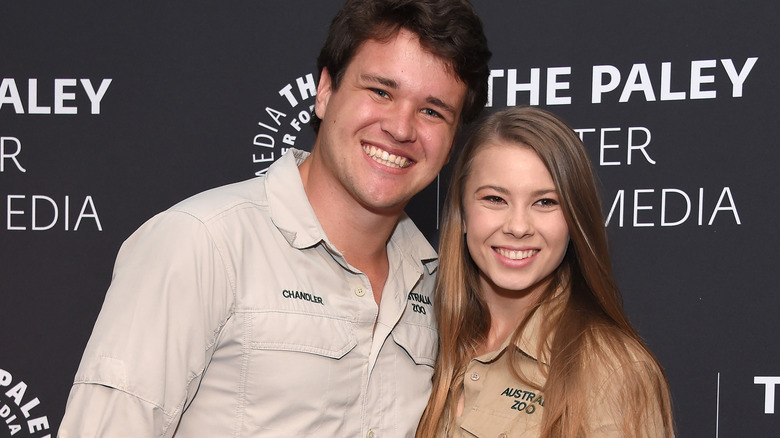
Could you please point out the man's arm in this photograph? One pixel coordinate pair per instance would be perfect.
(169, 297)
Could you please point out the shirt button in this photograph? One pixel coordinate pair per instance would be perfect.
(359, 291)
(370, 434)
(475, 376)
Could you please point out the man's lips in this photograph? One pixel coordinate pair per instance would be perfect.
(385, 158)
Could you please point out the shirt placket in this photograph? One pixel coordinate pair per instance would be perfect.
(382, 400)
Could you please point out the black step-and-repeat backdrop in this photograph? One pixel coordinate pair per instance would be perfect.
(110, 113)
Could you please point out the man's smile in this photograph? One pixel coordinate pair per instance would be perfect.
(385, 158)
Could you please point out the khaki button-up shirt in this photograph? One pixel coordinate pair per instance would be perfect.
(497, 405)
(232, 315)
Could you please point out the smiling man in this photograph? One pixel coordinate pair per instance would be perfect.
(298, 303)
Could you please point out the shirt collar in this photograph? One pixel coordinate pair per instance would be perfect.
(293, 215)
(291, 211)
(531, 342)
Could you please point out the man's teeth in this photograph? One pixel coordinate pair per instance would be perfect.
(516, 255)
(386, 158)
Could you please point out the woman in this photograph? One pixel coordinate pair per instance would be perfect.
(534, 341)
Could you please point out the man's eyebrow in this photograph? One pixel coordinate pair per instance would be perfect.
(390, 83)
(442, 105)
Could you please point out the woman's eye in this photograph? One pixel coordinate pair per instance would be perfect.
(493, 199)
(547, 202)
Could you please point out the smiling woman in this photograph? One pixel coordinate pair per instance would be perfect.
(515, 229)
(534, 341)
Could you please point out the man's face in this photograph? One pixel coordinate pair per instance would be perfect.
(388, 129)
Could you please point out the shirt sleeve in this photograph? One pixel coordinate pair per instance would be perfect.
(169, 297)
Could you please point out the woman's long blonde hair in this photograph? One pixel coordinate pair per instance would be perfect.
(590, 329)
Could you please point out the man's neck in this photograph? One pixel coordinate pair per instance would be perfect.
(360, 234)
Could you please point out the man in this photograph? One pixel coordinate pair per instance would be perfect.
(298, 304)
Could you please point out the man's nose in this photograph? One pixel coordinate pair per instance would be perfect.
(399, 123)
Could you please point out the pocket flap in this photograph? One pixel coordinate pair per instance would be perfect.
(419, 341)
(317, 334)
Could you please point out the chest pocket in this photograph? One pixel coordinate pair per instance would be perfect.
(297, 360)
(488, 423)
(322, 335)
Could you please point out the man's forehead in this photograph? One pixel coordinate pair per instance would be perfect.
(385, 77)
(391, 35)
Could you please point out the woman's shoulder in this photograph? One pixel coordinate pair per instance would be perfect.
(628, 387)
(613, 352)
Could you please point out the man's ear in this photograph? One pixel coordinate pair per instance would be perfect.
(324, 89)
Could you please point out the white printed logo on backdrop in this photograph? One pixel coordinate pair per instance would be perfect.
(283, 124)
(20, 410)
(642, 206)
(43, 211)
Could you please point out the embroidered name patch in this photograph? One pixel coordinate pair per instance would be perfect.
(524, 401)
(420, 298)
(305, 296)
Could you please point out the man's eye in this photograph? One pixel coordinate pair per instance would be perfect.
(380, 93)
(432, 113)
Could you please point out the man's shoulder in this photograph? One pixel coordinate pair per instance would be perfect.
(222, 200)
(252, 193)
(412, 243)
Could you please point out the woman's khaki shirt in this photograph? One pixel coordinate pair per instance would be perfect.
(497, 405)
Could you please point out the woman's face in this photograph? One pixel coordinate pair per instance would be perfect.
(515, 229)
